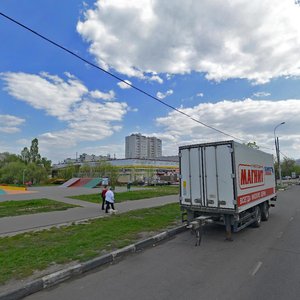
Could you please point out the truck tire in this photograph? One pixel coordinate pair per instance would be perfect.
(265, 211)
(257, 217)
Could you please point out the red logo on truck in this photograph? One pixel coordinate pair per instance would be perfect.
(251, 176)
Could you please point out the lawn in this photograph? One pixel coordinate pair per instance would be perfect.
(133, 195)
(22, 254)
(25, 207)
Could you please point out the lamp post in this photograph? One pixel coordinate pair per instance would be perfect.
(24, 176)
(277, 151)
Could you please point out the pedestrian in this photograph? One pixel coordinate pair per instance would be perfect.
(110, 199)
(103, 196)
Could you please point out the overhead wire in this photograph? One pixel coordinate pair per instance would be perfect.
(120, 79)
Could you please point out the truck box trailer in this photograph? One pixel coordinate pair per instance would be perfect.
(226, 182)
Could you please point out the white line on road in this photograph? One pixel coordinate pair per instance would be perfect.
(257, 267)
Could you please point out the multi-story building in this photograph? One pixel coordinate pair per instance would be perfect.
(140, 146)
(154, 147)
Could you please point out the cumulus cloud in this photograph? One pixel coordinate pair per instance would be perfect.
(123, 85)
(200, 95)
(10, 124)
(69, 101)
(257, 40)
(248, 120)
(44, 91)
(104, 96)
(161, 95)
(156, 78)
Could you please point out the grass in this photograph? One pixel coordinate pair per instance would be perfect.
(23, 254)
(133, 195)
(25, 207)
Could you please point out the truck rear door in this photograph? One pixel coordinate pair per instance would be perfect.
(207, 176)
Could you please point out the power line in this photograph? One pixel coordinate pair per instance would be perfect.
(117, 77)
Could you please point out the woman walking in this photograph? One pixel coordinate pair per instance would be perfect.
(110, 199)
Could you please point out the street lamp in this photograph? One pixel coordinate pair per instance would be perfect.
(277, 151)
(24, 176)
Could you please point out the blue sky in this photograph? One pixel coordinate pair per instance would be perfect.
(233, 65)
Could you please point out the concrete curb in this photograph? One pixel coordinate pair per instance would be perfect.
(62, 275)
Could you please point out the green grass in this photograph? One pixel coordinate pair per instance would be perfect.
(25, 207)
(21, 255)
(133, 195)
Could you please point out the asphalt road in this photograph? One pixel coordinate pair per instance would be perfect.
(261, 263)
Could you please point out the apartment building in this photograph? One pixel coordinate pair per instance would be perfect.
(140, 146)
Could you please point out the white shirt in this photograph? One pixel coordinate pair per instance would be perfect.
(109, 196)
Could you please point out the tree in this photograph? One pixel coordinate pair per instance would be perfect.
(25, 155)
(253, 145)
(12, 172)
(68, 172)
(106, 169)
(288, 166)
(35, 173)
(46, 163)
(86, 170)
(34, 151)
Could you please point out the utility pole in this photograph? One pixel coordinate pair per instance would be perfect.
(278, 152)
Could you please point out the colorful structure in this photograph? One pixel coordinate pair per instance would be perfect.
(82, 182)
(7, 189)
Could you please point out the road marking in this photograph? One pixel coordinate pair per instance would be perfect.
(257, 267)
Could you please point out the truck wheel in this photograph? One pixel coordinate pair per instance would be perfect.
(265, 211)
(257, 217)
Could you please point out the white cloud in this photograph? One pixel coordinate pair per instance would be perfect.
(261, 94)
(199, 94)
(104, 96)
(10, 124)
(156, 78)
(47, 92)
(123, 85)
(257, 40)
(68, 101)
(161, 95)
(248, 120)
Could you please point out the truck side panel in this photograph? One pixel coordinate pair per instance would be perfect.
(255, 176)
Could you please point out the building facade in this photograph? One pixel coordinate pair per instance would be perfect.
(140, 146)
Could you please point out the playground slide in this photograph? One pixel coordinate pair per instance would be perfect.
(93, 183)
(70, 182)
(81, 182)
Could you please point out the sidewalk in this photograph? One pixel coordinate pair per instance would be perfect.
(13, 225)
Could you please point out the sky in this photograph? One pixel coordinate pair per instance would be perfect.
(232, 65)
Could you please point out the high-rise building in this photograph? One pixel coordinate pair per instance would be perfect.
(154, 147)
(140, 146)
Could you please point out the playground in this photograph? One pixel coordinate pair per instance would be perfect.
(7, 189)
(88, 183)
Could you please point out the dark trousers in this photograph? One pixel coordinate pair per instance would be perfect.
(103, 203)
(108, 204)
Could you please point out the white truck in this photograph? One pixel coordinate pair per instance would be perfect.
(226, 182)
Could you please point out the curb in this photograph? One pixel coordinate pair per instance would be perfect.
(62, 275)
